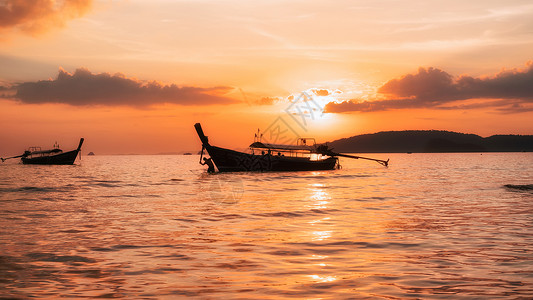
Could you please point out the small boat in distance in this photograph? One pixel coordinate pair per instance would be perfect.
(55, 156)
(304, 156)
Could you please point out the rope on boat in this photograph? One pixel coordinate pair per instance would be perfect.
(201, 154)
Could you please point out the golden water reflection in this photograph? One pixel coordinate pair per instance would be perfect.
(319, 198)
(319, 278)
(321, 235)
(319, 229)
(354, 233)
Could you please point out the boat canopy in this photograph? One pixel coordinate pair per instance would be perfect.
(261, 145)
(52, 151)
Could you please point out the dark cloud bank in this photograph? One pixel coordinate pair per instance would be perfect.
(507, 91)
(86, 88)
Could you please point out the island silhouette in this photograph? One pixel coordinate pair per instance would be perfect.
(431, 141)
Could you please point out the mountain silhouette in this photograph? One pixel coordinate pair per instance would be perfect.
(431, 141)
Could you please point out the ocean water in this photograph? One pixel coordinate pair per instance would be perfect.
(430, 226)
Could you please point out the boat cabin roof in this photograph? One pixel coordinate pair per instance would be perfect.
(56, 150)
(261, 145)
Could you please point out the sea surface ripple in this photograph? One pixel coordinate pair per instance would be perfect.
(429, 226)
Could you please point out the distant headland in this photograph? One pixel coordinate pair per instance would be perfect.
(431, 141)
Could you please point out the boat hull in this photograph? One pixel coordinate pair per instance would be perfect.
(227, 160)
(66, 158)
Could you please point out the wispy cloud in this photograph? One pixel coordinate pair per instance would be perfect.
(85, 88)
(507, 91)
(267, 101)
(38, 16)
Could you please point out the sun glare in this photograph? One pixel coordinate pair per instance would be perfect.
(318, 120)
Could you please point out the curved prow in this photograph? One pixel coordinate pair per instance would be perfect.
(201, 135)
(81, 143)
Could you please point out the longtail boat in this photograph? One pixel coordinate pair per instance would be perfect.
(55, 156)
(306, 155)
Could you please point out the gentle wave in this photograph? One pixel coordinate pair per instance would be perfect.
(293, 214)
(142, 227)
(51, 257)
(33, 189)
(520, 187)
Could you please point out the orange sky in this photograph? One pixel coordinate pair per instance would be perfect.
(134, 76)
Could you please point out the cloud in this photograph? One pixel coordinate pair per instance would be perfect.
(37, 16)
(321, 92)
(428, 83)
(324, 92)
(267, 101)
(434, 88)
(86, 88)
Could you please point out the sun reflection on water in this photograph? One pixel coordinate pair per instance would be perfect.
(319, 278)
(319, 220)
(321, 235)
(319, 197)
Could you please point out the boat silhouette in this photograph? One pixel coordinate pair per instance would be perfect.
(306, 155)
(55, 156)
